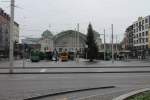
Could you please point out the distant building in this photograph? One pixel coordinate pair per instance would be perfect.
(4, 33)
(137, 37)
(32, 43)
(140, 38)
(99, 43)
(149, 39)
(108, 47)
(46, 41)
(98, 40)
(63, 41)
(16, 32)
(67, 41)
(140, 31)
(128, 39)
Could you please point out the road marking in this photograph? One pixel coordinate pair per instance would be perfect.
(43, 70)
(62, 77)
(62, 99)
(86, 77)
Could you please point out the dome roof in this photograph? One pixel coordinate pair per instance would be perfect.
(47, 33)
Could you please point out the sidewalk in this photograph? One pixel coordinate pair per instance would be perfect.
(81, 63)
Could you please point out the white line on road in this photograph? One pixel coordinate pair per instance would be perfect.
(61, 77)
(43, 70)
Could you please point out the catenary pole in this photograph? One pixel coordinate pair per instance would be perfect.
(104, 46)
(75, 44)
(78, 44)
(116, 44)
(112, 44)
(11, 44)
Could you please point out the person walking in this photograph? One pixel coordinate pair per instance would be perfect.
(55, 55)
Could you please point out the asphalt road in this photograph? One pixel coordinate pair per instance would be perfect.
(20, 86)
(77, 70)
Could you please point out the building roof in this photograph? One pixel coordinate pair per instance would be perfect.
(47, 34)
(67, 33)
(6, 16)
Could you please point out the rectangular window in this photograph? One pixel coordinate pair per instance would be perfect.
(133, 25)
(143, 27)
(140, 41)
(137, 30)
(146, 33)
(134, 31)
(146, 20)
(140, 26)
(136, 24)
(140, 34)
(60, 49)
(142, 21)
(146, 46)
(146, 39)
(143, 34)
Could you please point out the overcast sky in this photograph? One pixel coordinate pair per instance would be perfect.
(35, 16)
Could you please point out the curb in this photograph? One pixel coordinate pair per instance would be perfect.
(125, 96)
(70, 91)
(76, 67)
(74, 72)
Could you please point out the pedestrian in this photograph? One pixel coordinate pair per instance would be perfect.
(55, 55)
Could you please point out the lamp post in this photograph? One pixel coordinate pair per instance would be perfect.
(11, 41)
